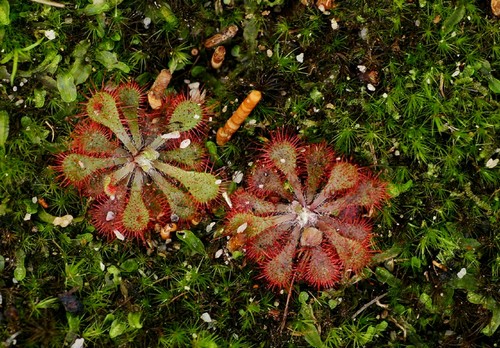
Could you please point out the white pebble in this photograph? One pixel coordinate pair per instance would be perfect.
(237, 176)
(50, 34)
(242, 227)
(218, 253)
(210, 226)
(78, 343)
(363, 34)
(300, 58)
(334, 24)
(119, 235)
(362, 68)
(206, 317)
(171, 135)
(492, 163)
(185, 143)
(461, 273)
(227, 199)
(110, 215)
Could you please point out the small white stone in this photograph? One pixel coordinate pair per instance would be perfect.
(363, 34)
(78, 343)
(196, 116)
(492, 163)
(50, 34)
(461, 273)
(206, 317)
(147, 22)
(334, 24)
(242, 227)
(63, 221)
(282, 160)
(455, 73)
(210, 226)
(194, 85)
(218, 182)
(119, 235)
(362, 68)
(27, 217)
(110, 215)
(102, 266)
(269, 53)
(185, 143)
(171, 135)
(227, 199)
(237, 176)
(34, 199)
(300, 58)
(261, 186)
(370, 87)
(218, 253)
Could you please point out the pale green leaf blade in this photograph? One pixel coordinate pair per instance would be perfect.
(4, 127)
(66, 86)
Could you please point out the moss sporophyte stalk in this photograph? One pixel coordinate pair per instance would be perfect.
(141, 167)
(304, 215)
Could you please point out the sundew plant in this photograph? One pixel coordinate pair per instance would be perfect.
(140, 166)
(392, 115)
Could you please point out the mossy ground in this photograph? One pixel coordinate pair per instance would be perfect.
(428, 123)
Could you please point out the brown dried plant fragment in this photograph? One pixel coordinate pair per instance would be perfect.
(157, 91)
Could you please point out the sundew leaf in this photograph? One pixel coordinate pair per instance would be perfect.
(4, 127)
(187, 115)
(455, 18)
(204, 187)
(66, 86)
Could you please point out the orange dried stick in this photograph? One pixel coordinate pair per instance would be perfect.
(225, 133)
